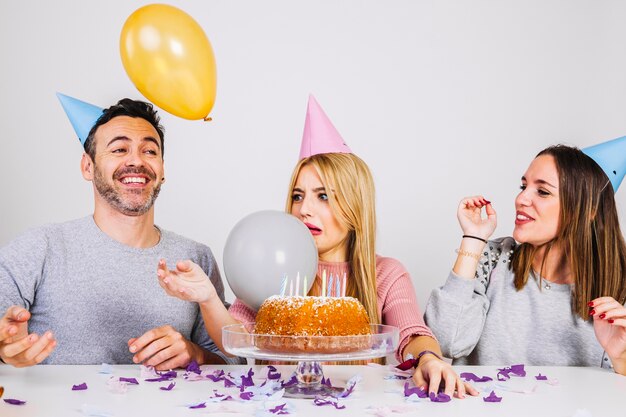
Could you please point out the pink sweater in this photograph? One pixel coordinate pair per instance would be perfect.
(397, 305)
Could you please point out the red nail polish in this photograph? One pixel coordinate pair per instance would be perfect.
(602, 315)
(590, 303)
(592, 312)
(611, 321)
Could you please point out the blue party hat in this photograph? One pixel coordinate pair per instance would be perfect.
(611, 156)
(82, 115)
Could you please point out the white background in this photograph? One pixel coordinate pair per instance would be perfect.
(441, 98)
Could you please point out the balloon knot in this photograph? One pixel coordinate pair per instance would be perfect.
(207, 119)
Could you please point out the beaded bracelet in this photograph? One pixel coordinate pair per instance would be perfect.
(470, 254)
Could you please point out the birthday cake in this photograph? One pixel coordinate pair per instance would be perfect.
(302, 324)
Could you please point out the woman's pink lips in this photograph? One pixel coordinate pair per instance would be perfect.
(313, 229)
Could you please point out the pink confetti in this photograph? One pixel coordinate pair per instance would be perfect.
(79, 387)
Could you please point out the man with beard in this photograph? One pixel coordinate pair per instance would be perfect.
(85, 291)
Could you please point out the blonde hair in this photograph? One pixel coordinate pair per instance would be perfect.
(588, 232)
(350, 189)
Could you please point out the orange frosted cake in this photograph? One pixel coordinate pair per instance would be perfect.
(299, 324)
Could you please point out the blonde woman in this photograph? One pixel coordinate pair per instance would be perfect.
(332, 193)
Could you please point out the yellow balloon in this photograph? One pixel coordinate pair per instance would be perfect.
(170, 60)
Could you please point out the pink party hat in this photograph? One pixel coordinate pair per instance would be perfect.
(320, 136)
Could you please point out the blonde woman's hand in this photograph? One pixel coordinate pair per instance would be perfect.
(187, 282)
(609, 324)
(471, 220)
(432, 371)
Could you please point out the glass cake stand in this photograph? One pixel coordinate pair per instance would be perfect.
(240, 340)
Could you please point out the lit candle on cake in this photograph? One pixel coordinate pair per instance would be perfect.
(291, 288)
(324, 283)
(338, 287)
(343, 290)
(305, 287)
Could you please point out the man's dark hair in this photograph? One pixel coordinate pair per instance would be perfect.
(126, 107)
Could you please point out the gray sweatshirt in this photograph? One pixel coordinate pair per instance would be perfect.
(486, 321)
(95, 293)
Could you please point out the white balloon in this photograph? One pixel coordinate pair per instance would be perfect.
(261, 249)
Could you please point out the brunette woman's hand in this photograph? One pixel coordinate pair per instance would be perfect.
(609, 324)
(471, 219)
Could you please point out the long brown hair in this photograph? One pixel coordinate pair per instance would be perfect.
(350, 189)
(588, 232)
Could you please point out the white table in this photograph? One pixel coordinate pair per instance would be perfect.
(47, 390)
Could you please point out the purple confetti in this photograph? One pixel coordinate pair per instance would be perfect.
(505, 373)
(320, 401)
(246, 395)
(79, 387)
(193, 367)
(163, 376)
(246, 381)
(221, 397)
(129, 380)
(228, 383)
(541, 377)
(279, 409)
(201, 405)
(439, 398)
(326, 382)
(272, 373)
(421, 393)
(292, 381)
(349, 387)
(216, 376)
(13, 401)
(468, 376)
(492, 398)
(169, 387)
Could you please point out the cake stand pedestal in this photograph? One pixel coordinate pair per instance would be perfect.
(240, 340)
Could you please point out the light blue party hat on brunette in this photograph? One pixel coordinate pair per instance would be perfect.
(611, 156)
(82, 115)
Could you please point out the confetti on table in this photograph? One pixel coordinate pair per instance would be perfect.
(321, 401)
(541, 377)
(505, 373)
(79, 387)
(200, 405)
(492, 398)
(132, 381)
(169, 387)
(439, 398)
(468, 376)
(421, 393)
(13, 401)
